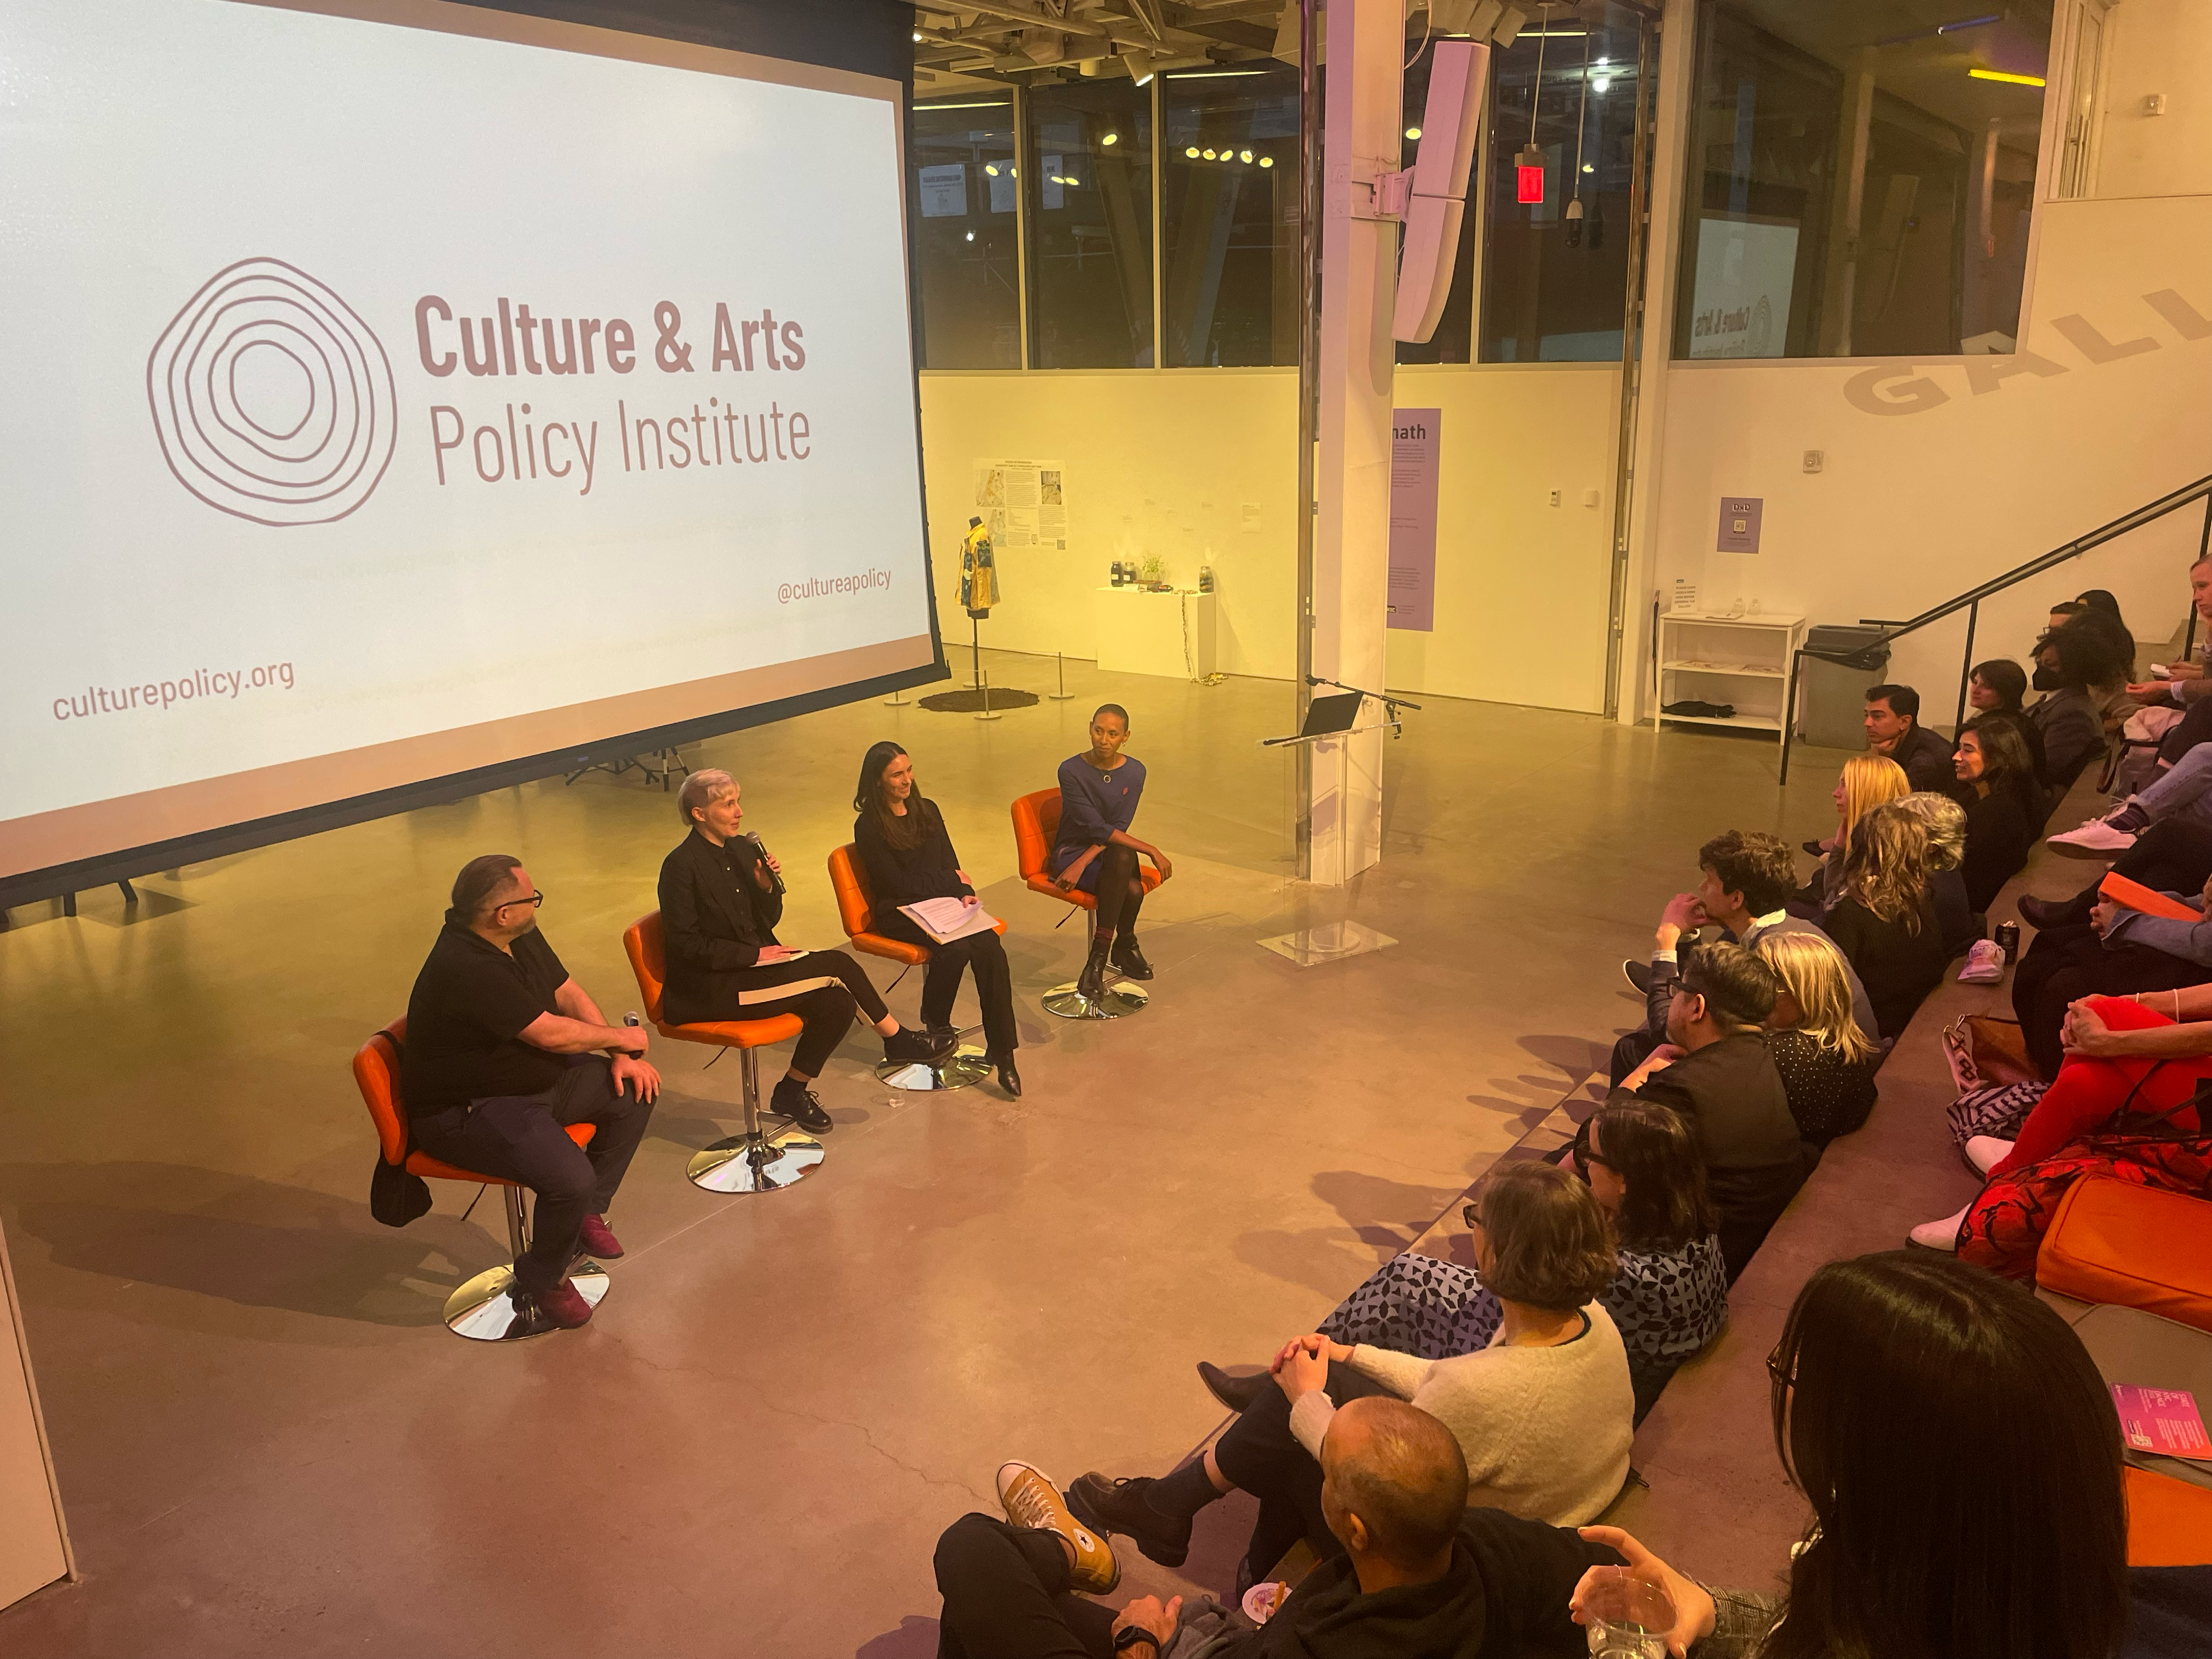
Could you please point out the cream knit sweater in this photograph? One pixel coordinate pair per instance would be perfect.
(1546, 1430)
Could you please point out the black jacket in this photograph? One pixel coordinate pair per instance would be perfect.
(1505, 1597)
(1898, 967)
(1926, 757)
(2001, 830)
(907, 875)
(714, 918)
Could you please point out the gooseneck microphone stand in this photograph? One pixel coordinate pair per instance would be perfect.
(1390, 705)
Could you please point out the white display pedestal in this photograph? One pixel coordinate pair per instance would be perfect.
(1741, 661)
(1139, 631)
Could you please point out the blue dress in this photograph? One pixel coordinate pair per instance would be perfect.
(1092, 804)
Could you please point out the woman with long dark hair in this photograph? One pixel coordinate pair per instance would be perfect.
(909, 858)
(2003, 803)
(1962, 1460)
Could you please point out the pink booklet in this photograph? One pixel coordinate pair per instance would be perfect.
(2164, 1420)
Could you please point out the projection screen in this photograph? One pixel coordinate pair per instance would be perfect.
(404, 391)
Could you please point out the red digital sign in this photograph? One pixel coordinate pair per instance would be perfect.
(1532, 184)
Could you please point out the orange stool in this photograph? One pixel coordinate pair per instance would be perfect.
(2169, 1521)
(1037, 826)
(2135, 1246)
(484, 1309)
(856, 909)
(753, 1162)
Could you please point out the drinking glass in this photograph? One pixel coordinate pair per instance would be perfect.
(1629, 1614)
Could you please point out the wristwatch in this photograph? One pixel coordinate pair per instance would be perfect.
(1129, 1635)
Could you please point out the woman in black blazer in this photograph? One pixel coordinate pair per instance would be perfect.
(721, 898)
(1998, 787)
(908, 857)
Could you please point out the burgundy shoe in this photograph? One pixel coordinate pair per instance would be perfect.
(563, 1306)
(598, 1239)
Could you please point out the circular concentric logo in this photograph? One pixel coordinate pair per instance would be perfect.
(272, 398)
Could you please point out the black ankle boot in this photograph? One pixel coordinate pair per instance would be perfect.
(1091, 983)
(1129, 961)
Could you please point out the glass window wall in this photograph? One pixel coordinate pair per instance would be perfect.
(965, 241)
(1856, 196)
(1228, 215)
(1091, 238)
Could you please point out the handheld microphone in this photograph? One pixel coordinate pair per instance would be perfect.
(760, 847)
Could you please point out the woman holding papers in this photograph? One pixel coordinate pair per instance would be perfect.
(910, 862)
(721, 895)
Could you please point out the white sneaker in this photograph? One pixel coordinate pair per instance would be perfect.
(2099, 838)
(1985, 1152)
(1984, 963)
(1940, 1235)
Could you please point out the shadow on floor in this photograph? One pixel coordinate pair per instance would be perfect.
(186, 1229)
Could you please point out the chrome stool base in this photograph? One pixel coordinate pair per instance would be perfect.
(484, 1310)
(961, 1069)
(1121, 998)
(756, 1162)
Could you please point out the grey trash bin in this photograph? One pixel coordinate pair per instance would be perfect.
(1830, 697)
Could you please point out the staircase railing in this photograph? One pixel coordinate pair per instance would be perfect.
(1866, 656)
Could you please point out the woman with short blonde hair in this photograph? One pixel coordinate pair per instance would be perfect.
(1827, 1063)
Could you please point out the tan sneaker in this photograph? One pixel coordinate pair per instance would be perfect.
(1030, 1500)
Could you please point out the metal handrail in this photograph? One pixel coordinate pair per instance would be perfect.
(1970, 601)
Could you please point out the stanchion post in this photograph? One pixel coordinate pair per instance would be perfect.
(897, 699)
(986, 714)
(1063, 694)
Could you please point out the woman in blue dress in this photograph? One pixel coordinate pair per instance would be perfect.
(1096, 854)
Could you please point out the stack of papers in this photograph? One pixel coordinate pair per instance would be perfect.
(947, 918)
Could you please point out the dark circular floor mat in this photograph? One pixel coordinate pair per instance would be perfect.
(971, 702)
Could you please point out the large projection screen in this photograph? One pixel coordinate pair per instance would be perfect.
(404, 391)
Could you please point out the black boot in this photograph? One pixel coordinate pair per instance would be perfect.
(1091, 983)
(1234, 1392)
(795, 1100)
(1009, 1079)
(1127, 959)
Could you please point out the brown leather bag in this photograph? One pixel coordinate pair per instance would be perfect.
(1982, 1049)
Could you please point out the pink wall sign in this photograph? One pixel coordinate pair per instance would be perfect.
(1415, 450)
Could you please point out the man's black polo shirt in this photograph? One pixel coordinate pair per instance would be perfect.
(470, 1002)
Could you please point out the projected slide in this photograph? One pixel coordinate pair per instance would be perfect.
(400, 389)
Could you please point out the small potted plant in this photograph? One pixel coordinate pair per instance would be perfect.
(1154, 571)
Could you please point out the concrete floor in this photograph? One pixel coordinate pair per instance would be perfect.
(268, 1444)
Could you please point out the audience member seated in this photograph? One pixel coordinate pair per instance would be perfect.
(1414, 1571)
(1995, 691)
(1543, 1413)
(2118, 952)
(1894, 728)
(2067, 662)
(1866, 781)
(504, 1050)
(2100, 621)
(1744, 878)
(1826, 1059)
(2186, 686)
(908, 857)
(1099, 792)
(1667, 1299)
(2004, 808)
(2173, 856)
(1945, 821)
(1715, 1069)
(1938, 1421)
(720, 899)
(2124, 1102)
(2183, 791)
(1884, 920)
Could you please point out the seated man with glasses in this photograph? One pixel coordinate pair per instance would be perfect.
(503, 1051)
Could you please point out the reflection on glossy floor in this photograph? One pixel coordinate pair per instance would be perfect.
(269, 1444)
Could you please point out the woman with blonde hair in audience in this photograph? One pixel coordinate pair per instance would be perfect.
(1543, 1413)
(1827, 1063)
(1883, 916)
(1962, 1460)
(1946, 822)
(1867, 781)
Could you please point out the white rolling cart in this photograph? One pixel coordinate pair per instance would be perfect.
(1739, 660)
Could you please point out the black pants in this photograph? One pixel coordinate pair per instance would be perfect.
(823, 987)
(1120, 889)
(2067, 963)
(2194, 727)
(523, 1139)
(1008, 1595)
(983, 953)
(1261, 1455)
(2174, 855)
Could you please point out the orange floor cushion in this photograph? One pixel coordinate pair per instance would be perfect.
(2169, 1522)
(2136, 1246)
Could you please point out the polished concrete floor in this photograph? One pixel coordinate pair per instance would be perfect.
(269, 1444)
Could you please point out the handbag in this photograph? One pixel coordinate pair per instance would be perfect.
(1982, 1050)
(1995, 1108)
